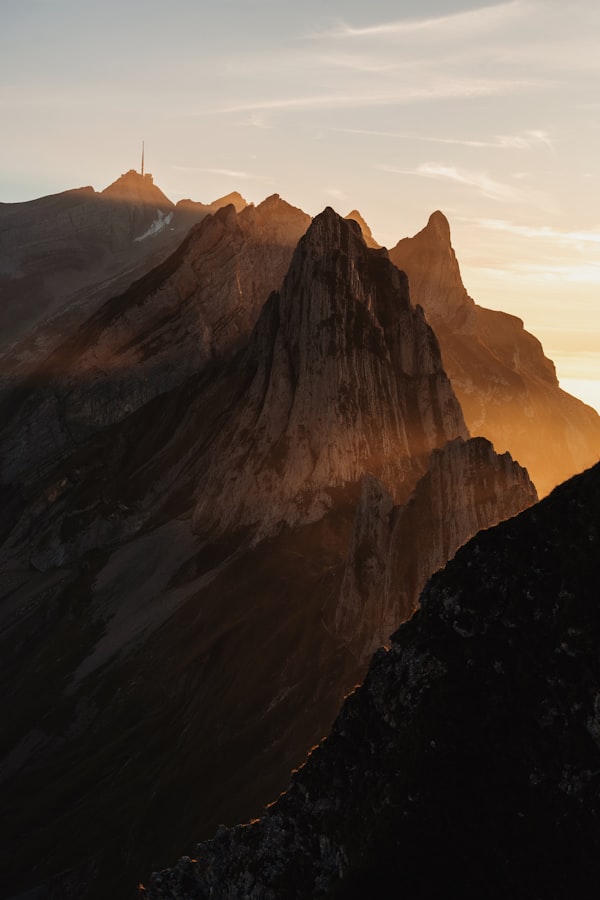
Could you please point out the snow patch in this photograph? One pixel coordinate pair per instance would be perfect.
(157, 226)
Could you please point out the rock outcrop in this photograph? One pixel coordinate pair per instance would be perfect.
(468, 760)
(57, 249)
(395, 549)
(507, 388)
(343, 375)
(193, 310)
(61, 256)
(189, 212)
(367, 234)
(164, 517)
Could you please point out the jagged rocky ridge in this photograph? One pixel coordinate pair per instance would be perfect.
(395, 548)
(343, 376)
(61, 256)
(131, 612)
(507, 388)
(468, 762)
(67, 247)
(192, 311)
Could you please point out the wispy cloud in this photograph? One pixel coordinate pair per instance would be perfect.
(545, 232)
(481, 181)
(465, 23)
(336, 193)
(228, 173)
(588, 273)
(444, 88)
(524, 141)
(256, 120)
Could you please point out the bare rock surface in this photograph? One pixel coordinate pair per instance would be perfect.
(366, 231)
(396, 549)
(507, 388)
(343, 376)
(170, 504)
(468, 760)
(54, 249)
(193, 310)
(62, 256)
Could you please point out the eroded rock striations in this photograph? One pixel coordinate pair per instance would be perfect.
(395, 549)
(366, 231)
(164, 517)
(343, 375)
(61, 256)
(468, 760)
(507, 388)
(56, 249)
(191, 311)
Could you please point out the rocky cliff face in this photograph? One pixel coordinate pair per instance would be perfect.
(468, 759)
(343, 376)
(55, 249)
(193, 310)
(507, 388)
(62, 256)
(367, 234)
(156, 531)
(395, 549)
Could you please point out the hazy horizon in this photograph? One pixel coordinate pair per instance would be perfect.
(484, 111)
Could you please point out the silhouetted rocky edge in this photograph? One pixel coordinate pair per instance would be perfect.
(468, 763)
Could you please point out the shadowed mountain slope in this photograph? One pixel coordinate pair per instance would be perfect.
(395, 548)
(467, 763)
(193, 310)
(62, 255)
(139, 578)
(343, 376)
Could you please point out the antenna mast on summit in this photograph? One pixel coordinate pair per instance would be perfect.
(142, 157)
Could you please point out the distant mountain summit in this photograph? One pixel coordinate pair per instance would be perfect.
(507, 388)
(344, 376)
(366, 231)
(188, 212)
(133, 187)
(61, 256)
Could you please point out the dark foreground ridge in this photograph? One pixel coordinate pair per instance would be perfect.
(468, 763)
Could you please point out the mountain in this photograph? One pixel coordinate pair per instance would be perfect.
(174, 542)
(395, 548)
(370, 241)
(343, 375)
(507, 388)
(61, 255)
(467, 763)
(193, 310)
(191, 211)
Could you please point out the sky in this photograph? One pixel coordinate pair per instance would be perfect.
(488, 112)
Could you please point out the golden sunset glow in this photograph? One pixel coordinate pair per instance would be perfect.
(487, 111)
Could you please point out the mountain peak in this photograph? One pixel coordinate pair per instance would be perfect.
(135, 188)
(234, 198)
(274, 203)
(328, 227)
(433, 273)
(438, 223)
(370, 241)
(311, 424)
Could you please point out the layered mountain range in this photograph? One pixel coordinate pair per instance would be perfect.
(507, 388)
(222, 490)
(467, 763)
(62, 255)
